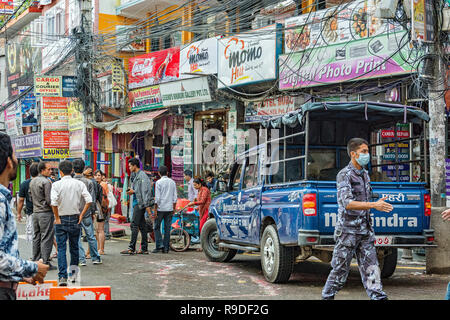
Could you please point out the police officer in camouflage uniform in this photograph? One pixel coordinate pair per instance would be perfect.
(354, 233)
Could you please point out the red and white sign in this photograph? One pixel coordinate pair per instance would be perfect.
(154, 68)
(80, 293)
(56, 139)
(391, 134)
(26, 291)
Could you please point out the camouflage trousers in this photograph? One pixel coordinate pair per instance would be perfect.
(361, 246)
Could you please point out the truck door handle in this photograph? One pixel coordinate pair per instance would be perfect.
(252, 195)
(375, 196)
(233, 198)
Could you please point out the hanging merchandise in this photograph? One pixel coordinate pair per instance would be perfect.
(158, 158)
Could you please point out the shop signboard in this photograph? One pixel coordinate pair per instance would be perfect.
(47, 86)
(248, 57)
(69, 86)
(54, 115)
(422, 20)
(56, 139)
(28, 146)
(373, 57)
(391, 134)
(75, 116)
(273, 106)
(199, 57)
(129, 39)
(55, 153)
(145, 98)
(195, 90)
(154, 68)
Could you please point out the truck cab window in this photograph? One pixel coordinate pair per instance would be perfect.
(237, 178)
(250, 176)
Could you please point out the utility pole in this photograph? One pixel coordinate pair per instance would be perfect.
(438, 259)
(437, 125)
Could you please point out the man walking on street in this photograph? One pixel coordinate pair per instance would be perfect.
(24, 198)
(66, 200)
(165, 205)
(142, 201)
(12, 268)
(87, 223)
(354, 234)
(43, 219)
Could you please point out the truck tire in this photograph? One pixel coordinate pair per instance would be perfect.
(277, 261)
(388, 264)
(209, 238)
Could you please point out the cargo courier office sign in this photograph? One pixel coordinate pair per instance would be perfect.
(249, 57)
(45, 86)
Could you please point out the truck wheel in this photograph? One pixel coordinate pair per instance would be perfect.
(277, 261)
(388, 264)
(210, 243)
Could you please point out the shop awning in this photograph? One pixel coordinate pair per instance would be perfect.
(134, 123)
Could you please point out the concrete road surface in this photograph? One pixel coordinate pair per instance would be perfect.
(189, 275)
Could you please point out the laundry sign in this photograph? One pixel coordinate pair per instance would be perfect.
(187, 91)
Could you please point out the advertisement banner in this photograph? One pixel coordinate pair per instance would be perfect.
(6, 7)
(76, 143)
(199, 57)
(22, 61)
(360, 59)
(274, 106)
(334, 25)
(29, 111)
(54, 114)
(75, 116)
(28, 146)
(248, 57)
(129, 39)
(10, 120)
(145, 99)
(47, 86)
(54, 153)
(154, 68)
(195, 90)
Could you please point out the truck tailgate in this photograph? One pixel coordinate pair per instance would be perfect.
(406, 218)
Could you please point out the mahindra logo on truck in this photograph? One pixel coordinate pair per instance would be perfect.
(394, 221)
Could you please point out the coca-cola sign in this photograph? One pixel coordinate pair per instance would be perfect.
(154, 68)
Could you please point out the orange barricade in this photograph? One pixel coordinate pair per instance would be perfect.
(80, 293)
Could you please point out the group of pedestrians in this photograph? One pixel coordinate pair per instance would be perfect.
(56, 214)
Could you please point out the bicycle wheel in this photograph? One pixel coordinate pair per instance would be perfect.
(179, 240)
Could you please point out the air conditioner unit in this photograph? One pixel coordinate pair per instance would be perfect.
(386, 9)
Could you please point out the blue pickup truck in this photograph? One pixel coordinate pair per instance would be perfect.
(280, 199)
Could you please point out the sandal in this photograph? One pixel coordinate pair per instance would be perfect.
(142, 252)
(128, 251)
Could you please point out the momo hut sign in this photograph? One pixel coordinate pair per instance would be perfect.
(249, 57)
(199, 57)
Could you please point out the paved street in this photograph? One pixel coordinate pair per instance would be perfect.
(189, 275)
